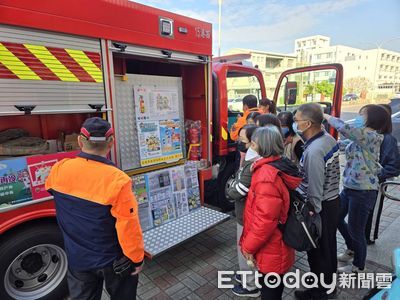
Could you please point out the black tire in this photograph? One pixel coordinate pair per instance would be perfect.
(227, 172)
(13, 245)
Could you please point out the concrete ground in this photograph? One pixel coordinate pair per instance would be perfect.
(189, 271)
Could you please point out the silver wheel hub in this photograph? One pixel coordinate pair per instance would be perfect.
(36, 272)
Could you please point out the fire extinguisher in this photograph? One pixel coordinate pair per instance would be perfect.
(194, 140)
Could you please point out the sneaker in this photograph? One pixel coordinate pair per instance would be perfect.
(240, 291)
(347, 256)
(351, 269)
(238, 278)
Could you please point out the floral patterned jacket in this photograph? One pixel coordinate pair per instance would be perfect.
(362, 156)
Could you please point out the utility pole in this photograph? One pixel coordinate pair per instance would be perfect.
(219, 26)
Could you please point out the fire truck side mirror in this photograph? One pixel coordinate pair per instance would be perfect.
(290, 92)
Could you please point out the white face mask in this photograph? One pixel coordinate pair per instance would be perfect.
(251, 154)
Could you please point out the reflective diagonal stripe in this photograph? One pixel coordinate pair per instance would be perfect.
(6, 73)
(51, 62)
(30, 61)
(243, 187)
(15, 65)
(84, 61)
(71, 64)
(224, 134)
(240, 191)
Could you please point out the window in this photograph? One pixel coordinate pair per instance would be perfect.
(328, 55)
(318, 56)
(359, 67)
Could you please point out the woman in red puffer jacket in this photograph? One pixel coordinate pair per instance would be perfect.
(267, 205)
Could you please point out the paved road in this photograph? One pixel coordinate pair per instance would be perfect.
(349, 112)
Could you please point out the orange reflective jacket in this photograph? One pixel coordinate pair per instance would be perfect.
(241, 122)
(96, 210)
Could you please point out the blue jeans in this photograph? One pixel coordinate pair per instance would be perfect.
(358, 205)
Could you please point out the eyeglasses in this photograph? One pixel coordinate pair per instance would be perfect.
(296, 120)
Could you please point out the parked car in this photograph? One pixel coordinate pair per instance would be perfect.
(350, 97)
(395, 126)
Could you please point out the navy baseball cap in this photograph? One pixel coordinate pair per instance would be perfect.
(96, 129)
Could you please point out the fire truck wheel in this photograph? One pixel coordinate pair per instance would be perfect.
(223, 178)
(33, 264)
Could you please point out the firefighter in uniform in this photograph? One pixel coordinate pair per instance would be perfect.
(250, 103)
(98, 216)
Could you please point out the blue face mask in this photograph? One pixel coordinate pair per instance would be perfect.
(295, 129)
(359, 122)
(285, 131)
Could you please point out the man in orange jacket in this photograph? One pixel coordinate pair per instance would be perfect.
(250, 103)
(98, 216)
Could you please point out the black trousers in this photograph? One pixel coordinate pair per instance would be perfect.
(89, 285)
(373, 224)
(268, 293)
(323, 260)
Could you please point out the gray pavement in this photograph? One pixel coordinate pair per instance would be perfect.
(189, 271)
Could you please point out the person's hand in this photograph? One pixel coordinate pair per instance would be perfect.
(311, 213)
(249, 256)
(137, 270)
(238, 116)
(327, 117)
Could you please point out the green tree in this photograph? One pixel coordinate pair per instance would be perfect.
(325, 88)
(309, 89)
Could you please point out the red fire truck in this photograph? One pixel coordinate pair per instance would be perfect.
(149, 72)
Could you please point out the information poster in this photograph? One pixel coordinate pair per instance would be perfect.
(23, 179)
(39, 169)
(140, 190)
(161, 198)
(166, 195)
(14, 182)
(149, 140)
(158, 124)
(192, 185)
(179, 191)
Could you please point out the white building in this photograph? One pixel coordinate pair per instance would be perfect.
(380, 66)
(271, 65)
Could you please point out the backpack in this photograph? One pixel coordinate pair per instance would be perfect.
(301, 231)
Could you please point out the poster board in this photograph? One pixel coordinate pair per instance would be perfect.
(23, 179)
(150, 120)
(158, 123)
(166, 195)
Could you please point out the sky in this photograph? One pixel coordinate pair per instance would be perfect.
(273, 25)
